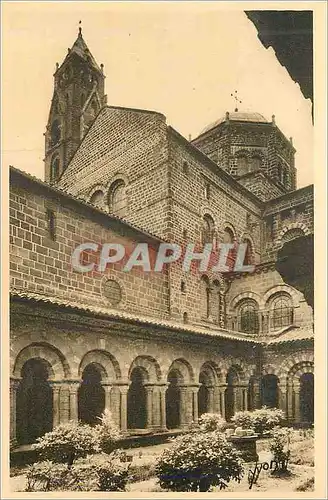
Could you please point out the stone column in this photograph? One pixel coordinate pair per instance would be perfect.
(244, 393)
(235, 399)
(297, 409)
(183, 406)
(73, 399)
(123, 407)
(156, 407)
(149, 405)
(221, 391)
(195, 404)
(64, 409)
(282, 398)
(210, 399)
(115, 400)
(256, 394)
(14, 384)
(107, 388)
(290, 401)
(162, 395)
(55, 403)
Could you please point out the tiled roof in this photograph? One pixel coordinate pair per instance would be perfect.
(81, 49)
(237, 116)
(294, 334)
(137, 319)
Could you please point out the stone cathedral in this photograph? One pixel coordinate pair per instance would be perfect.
(159, 348)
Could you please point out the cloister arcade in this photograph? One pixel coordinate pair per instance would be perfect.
(44, 392)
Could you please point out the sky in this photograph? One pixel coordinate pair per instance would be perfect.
(183, 59)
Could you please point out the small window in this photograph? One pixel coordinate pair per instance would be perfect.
(249, 252)
(183, 287)
(184, 234)
(112, 291)
(228, 236)
(54, 169)
(242, 165)
(55, 133)
(118, 198)
(208, 229)
(207, 191)
(185, 167)
(51, 224)
(256, 163)
(97, 199)
(185, 317)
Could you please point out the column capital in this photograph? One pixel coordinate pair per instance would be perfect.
(297, 385)
(14, 383)
(123, 389)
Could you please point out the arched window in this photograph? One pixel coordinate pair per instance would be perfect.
(228, 236)
(55, 133)
(292, 234)
(208, 229)
(118, 199)
(242, 165)
(249, 252)
(97, 199)
(248, 317)
(281, 312)
(54, 169)
(256, 163)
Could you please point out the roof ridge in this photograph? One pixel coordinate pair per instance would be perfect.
(82, 201)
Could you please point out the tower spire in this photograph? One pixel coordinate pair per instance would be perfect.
(80, 28)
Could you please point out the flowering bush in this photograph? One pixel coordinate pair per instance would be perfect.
(67, 442)
(108, 432)
(243, 419)
(260, 420)
(197, 462)
(211, 422)
(279, 446)
(101, 473)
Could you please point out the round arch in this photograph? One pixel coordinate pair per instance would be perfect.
(246, 295)
(107, 364)
(58, 366)
(149, 365)
(185, 370)
(212, 371)
(294, 225)
(292, 292)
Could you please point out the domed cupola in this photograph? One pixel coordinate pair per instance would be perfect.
(251, 149)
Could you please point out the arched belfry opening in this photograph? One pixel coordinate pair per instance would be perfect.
(91, 395)
(34, 404)
(137, 399)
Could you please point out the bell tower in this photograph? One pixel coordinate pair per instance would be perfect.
(77, 98)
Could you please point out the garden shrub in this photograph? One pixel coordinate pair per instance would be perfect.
(262, 420)
(243, 419)
(99, 473)
(68, 442)
(209, 422)
(279, 446)
(197, 462)
(109, 433)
